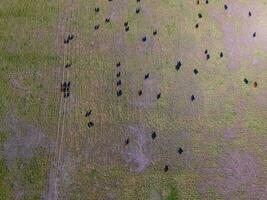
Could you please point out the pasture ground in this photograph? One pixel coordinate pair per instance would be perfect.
(46, 148)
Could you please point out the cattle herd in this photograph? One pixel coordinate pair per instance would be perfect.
(65, 86)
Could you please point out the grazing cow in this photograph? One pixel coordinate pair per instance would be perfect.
(153, 135)
(192, 97)
(180, 150)
(225, 7)
(118, 74)
(140, 92)
(206, 51)
(66, 41)
(118, 82)
(246, 81)
(249, 14)
(147, 76)
(144, 39)
(207, 1)
(159, 95)
(126, 24)
(195, 71)
(119, 93)
(64, 86)
(221, 54)
(197, 25)
(118, 64)
(68, 65)
(137, 10)
(97, 27)
(127, 141)
(199, 15)
(137, 1)
(127, 29)
(90, 124)
(166, 168)
(70, 37)
(208, 56)
(155, 32)
(88, 113)
(255, 84)
(197, 2)
(97, 9)
(178, 65)
(107, 20)
(254, 34)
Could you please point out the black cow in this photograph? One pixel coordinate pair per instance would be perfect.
(119, 93)
(90, 124)
(147, 76)
(70, 37)
(68, 65)
(180, 150)
(153, 135)
(107, 20)
(88, 113)
(254, 34)
(66, 41)
(144, 39)
(97, 9)
(127, 141)
(178, 65)
(97, 27)
(118, 82)
(166, 168)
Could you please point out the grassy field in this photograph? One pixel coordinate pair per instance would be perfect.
(47, 150)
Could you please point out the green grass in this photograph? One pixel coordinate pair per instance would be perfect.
(28, 54)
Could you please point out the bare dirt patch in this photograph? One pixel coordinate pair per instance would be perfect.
(24, 138)
(138, 153)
